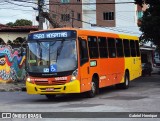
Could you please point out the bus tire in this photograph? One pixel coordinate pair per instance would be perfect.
(50, 97)
(94, 89)
(125, 84)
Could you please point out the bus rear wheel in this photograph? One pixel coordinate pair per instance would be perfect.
(94, 89)
(50, 97)
(125, 84)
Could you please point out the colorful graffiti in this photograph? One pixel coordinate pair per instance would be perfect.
(12, 64)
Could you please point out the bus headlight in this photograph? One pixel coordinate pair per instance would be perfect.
(74, 75)
(29, 80)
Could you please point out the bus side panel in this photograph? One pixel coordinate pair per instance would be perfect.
(111, 71)
(85, 77)
(133, 64)
(105, 78)
(136, 67)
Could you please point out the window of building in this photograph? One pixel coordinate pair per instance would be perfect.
(133, 48)
(78, 16)
(119, 47)
(78, 0)
(108, 16)
(54, 16)
(93, 47)
(126, 47)
(65, 1)
(65, 17)
(111, 47)
(103, 50)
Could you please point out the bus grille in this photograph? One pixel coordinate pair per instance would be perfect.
(54, 82)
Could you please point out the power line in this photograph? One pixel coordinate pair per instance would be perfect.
(23, 1)
(58, 3)
(16, 9)
(98, 19)
(18, 4)
(118, 16)
(68, 7)
(113, 29)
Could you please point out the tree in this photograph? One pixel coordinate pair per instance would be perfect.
(2, 42)
(150, 22)
(9, 42)
(20, 22)
(10, 24)
(23, 22)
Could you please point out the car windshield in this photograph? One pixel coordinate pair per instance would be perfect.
(52, 56)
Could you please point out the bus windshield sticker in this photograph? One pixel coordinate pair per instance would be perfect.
(46, 70)
(31, 61)
(93, 63)
(53, 68)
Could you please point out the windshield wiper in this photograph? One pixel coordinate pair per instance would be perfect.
(59, 49)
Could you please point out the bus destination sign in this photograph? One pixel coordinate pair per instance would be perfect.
(51, 35)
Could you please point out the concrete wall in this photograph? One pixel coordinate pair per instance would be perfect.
(89, 13)
(125, 14)
(12, 35)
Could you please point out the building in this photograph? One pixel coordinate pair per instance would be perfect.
(12, 33)
(85, 13)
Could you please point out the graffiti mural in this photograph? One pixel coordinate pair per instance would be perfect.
(12, 64)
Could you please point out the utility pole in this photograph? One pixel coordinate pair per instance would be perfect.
(40, 12)
(47, 16)
(44, 15)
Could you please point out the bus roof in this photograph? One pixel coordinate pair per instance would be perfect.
(93, 29)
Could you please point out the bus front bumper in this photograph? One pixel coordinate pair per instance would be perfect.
(71, 87)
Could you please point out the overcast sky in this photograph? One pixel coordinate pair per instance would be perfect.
(10, 11)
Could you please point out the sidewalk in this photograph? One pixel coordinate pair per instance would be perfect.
(11, 87)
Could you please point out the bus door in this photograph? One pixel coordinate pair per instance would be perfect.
(136, 60)
(84, 69)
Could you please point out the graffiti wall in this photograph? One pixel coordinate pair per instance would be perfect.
(12, 64)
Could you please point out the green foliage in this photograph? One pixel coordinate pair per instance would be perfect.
(23, 22)
(10, 24)
(20, 22)
(150, 22)
(2, 42)
(9, 42)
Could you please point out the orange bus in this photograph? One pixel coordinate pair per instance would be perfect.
(68, 60)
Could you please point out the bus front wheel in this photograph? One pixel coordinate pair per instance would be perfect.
(94, 89)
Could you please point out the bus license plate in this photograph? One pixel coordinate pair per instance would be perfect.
(49, 89)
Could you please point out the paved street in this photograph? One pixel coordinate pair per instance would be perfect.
(142, 96)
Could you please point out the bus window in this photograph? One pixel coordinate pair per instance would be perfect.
(103, 47)
(137, 48)
(111, 47)
(93, 47)
(126, 47)
(119, 47)
(83, 51)
(133, 48)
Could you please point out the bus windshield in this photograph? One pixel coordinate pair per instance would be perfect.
(58, 55)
